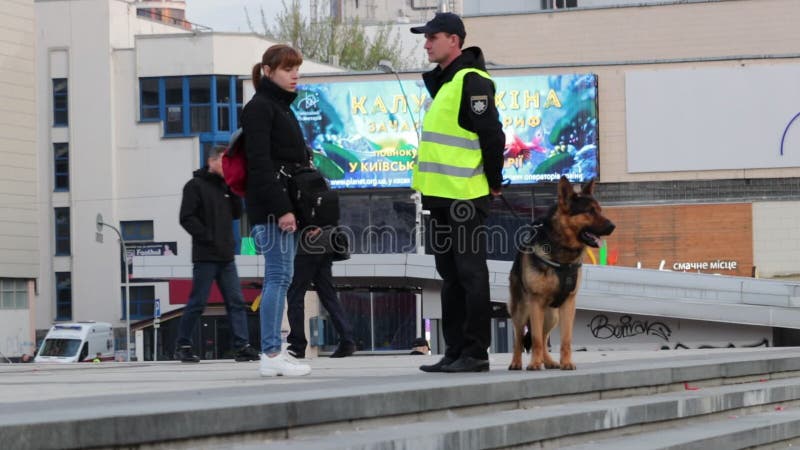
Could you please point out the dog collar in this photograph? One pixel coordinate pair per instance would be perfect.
(556, 265)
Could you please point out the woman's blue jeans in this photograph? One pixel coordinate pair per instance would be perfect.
(278, 248)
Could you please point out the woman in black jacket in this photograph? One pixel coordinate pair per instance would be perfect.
(274, 146)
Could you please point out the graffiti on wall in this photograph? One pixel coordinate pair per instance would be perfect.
(602, 328)
(626, 326)
(762, 343)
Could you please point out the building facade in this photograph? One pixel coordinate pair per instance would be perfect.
(413, 11)
(19, 202)
(129, 108)
(696, 108)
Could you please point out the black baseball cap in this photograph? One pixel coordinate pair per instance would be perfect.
(443, 21)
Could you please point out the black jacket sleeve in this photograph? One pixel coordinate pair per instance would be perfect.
(486, 124)
(263, 183)
(236, 205)
(191, 213)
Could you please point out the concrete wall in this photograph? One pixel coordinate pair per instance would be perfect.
(776, 238)
(19, 253)
(206, 54)
(19, 203)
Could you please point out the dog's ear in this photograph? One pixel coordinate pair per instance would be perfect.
(588, 189)
(565, 193)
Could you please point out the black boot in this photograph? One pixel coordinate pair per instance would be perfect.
(246, 353)
(467, 364)
(184, 354)
(439, 366)
(345, 348)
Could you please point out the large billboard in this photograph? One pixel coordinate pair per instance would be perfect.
(365, 134)
(713, 118)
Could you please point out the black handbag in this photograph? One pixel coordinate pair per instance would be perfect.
(315, 204)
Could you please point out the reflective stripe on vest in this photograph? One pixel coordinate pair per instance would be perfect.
(449, 161)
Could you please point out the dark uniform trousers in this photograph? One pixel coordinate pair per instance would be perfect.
(458, 241)
(316, 268)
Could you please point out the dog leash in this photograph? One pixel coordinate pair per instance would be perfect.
(507, 182)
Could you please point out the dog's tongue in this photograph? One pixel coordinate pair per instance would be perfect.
(594, 238)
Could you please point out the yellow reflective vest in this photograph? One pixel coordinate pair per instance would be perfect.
(449, 160)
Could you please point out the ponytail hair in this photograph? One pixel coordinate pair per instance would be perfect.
(276, 57)
(257, 75)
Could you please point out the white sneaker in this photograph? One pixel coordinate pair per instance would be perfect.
(282, 364)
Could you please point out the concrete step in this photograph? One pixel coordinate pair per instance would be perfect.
(733, 432)
(580, 421)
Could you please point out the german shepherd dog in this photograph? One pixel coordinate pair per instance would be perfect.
(546, 273)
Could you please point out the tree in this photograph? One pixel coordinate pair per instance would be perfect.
(346, 44)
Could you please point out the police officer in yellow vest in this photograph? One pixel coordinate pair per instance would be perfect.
(458, 169)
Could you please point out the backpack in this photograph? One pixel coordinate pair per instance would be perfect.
(234, 164)
(314, 202)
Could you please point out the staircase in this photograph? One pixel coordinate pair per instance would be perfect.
(677, 405)
(673, 399)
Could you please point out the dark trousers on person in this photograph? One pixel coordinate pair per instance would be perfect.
(227, 278)
(458, 240)
(316, 268)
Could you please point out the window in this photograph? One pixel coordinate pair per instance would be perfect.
(149, 103)
(173, 100)
(60, 110)
(62, 232)
(142, 302)
(556, 4)
(200, 104)
(13, 293)
(137, 230)
(223, 103)
(206, 105)
(381, 320)
(385, 225)
(63, 296)
(61, 166)
(239, 95)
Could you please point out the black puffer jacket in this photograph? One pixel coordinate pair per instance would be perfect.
(272, 136)
(207, 211)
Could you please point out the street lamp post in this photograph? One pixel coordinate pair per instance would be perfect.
(124, 248)
(385, 66)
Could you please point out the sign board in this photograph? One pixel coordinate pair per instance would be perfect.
(713, 118)
(365, 134)
(151, 248)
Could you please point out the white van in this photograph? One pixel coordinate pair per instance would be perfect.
(77, 342)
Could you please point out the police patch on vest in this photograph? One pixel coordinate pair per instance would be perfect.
(479, 103)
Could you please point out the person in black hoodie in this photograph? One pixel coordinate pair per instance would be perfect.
(275, 147)
(207, 211)
(458, 168)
